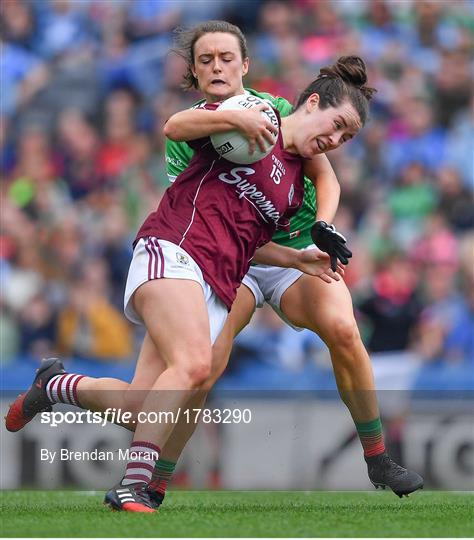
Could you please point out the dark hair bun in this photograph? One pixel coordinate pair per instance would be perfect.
(352, 70)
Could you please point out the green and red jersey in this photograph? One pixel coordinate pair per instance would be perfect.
(179, 155)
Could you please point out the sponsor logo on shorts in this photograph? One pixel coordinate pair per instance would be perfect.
(182, 259)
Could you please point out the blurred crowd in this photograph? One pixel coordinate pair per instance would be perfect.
(86, 86)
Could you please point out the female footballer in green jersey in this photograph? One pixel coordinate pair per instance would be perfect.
(217, 58)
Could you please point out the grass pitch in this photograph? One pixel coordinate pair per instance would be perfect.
(241, 514)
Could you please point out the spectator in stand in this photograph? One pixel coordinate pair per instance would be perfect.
(381, 34)
(370, 155)
(143, 181)
(378, 232)
(64, 29)
(419, 139)
(459, 343)
(149, 27)
(9, 336)
(411, 200)
(444, 333)
(277, 43)
(34, 184)
(148, 18)
(120, 118)
(116, 251)
(324, 28)
(67, 41)
(455, 200)
(442, 299)
(277, 32)
(445, 341)
(7, 152)
(115, 60)
(453, 85)
(65, 246)
(23, 279)
(79, 144)
(392, 307)
(436, 244)
(89, 326)
(459, 145)
(466, 250)
(38, 327)
(23, 76)
(17, 24)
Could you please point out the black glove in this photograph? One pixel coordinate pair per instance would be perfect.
(327, 239)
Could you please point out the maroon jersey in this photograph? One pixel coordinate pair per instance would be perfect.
(221, 212)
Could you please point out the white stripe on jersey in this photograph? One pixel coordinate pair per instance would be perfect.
(194, 204)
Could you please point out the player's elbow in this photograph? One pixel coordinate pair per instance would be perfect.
(170, 130)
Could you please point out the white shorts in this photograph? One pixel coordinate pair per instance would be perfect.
(155, 259)
(268, 283)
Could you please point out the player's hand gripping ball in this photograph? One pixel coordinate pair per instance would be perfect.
(234, 146)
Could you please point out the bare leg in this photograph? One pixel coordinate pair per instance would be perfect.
(238, 318)
(175, 315)
(106, 393)
(327, 310)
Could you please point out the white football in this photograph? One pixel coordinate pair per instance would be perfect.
(231, 144)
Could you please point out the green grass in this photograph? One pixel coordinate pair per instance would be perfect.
(226, 513)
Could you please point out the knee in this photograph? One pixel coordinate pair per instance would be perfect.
(344, 335)
(195, 366)
(199, 373)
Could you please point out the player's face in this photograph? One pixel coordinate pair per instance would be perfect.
(322, 130)
(218, 66)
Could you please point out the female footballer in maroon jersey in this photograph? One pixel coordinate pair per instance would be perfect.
(201, 240)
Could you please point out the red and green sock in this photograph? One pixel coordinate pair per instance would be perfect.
(371, 437)
(162, 474)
